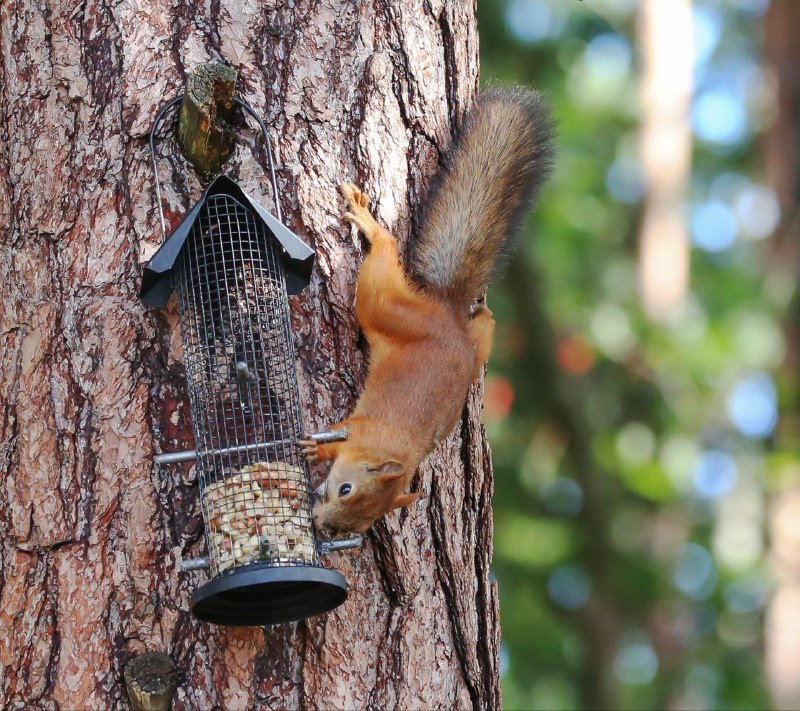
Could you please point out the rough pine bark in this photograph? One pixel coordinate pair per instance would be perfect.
(91, 384)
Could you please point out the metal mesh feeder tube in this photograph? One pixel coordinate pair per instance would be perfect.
(232, 265)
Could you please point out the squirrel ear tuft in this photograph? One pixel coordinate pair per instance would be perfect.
(403, 500)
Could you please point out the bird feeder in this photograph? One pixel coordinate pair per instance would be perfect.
(232, 264)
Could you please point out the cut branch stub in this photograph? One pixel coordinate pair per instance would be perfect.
(151, 680)
(207, 112)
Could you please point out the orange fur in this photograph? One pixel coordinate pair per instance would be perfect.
(428, 342)
(403, 325)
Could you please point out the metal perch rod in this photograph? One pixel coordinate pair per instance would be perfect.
(326, 547)
(190, 455)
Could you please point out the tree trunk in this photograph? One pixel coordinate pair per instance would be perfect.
(781, 152)
(666, 148)
(92, 386)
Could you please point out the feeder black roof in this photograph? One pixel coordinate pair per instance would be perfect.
(156, 283)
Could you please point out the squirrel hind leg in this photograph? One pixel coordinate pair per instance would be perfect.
(481, 333)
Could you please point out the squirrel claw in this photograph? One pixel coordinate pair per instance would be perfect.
(309, 448)
(359, 214)
(348, 190)
(353, 195)
(356, 198)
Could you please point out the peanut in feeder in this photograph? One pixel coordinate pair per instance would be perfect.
(232, 265)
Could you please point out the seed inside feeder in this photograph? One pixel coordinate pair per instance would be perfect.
(259, 513)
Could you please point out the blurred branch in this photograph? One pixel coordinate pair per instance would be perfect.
(666, 145)
(782, 141)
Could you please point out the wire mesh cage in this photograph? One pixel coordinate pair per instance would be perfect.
(232, 265)
(243, 391)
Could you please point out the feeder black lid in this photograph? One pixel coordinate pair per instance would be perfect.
(256, 596)
(156, 282)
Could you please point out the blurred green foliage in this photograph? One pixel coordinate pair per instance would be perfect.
(633, 460)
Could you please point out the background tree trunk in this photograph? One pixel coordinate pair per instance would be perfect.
(781, 158)
(91, 385)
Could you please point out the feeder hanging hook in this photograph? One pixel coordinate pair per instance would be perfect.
(171, 105)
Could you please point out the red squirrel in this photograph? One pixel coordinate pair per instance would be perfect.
(428, 336)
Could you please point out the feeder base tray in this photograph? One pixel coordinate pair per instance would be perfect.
(256, 596)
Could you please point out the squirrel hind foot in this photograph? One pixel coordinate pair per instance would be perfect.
(354, 195)
(358, 213)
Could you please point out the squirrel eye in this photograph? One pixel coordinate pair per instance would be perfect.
(345, 489)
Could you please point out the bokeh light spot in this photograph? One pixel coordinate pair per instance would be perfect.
(694, 573)
(533, 21)
(745, 595)
(689, 322)
(714, 474)
(737, 630)
(562, 496)
(719, 116)
(753, 406)
(611, 330)
(678, 458)
(714, 226)
(608, 57)
(574, 355)
(636, 664)
(758, 211)
(498, 397)
(707, 31)
(603, 76)
(702, 686)
(569, 587)
(758, 340)
(625, 180)
(636, 443)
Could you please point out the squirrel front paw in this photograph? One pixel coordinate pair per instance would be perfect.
(358, 214)
(309, 448)
(314, 450)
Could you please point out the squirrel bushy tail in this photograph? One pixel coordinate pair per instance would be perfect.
(488, 182)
